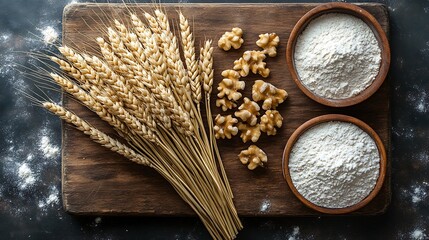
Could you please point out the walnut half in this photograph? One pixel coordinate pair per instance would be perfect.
(269, 42)
(229, 89)
(252, 61)
(272, 96)
(231, 39)
(270, 121)
(230, 86)
(248, 111)
(253, 156)
(224, 127)
(225, 104)
(249, 133)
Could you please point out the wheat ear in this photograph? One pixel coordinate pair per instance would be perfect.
(95, 134)
(206, 66)
(92, 79)
(119, 48)
(154, 27)
(132, 43)
(142, 31)
(157, 63)
(132, 122)
(175, 71)
(69, 69)
(180, 117)
(190, 58)
(79, 62)
(118, 84)
(112, 60)
(88, 101)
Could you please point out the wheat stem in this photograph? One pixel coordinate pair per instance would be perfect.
(143, 88)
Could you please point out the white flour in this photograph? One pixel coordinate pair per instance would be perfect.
(337, 56)
(51, 200)
(265, 206)
(47, 148)
(418, 234)
(26, 176)
(294, 235)
(49, 35)
(334, 164)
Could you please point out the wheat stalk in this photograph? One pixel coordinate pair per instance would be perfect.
(140, 80)
(176, 72)
(96, 134)
(206, 66)
(190, 59)
(69, 69)
(88, 101)
(118, 84)
(152, 98)
(113, 61)
(92, 81)
(157, 62)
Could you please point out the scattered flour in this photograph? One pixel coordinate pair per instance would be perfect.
(337, 56)
(294, 234)
(265, 206)
(334, 164)
(97, 221)
(47, 148)
(418, 194)
(404, 132)
(5, 37)
(421, 107)
(51, 200)
(49, 34)
(26, 176)
(418, 98)
(418, 234)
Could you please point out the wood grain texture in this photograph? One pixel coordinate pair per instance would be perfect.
(96, 181)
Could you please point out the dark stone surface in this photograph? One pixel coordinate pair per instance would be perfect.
(29, 137)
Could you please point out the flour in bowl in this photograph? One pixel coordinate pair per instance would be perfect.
(334, 164)
(337, 56)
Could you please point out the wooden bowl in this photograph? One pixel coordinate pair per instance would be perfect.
(342, 118)
(358, 12)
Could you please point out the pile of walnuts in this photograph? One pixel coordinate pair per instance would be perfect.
(247, 114)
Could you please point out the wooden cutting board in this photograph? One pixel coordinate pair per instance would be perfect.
(97, 181)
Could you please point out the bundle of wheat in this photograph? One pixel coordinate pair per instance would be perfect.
(151, 97)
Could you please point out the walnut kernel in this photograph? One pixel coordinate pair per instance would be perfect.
(231, 39)
(229, 86)
(224, 126)
(269, 42)
(249, 133)
(248, 111)
(225, 104)
(272, 96)
(270, 121)
(252, 61)
(253, 156)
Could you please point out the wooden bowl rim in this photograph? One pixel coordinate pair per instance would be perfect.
(376, 29)
(342, 118)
